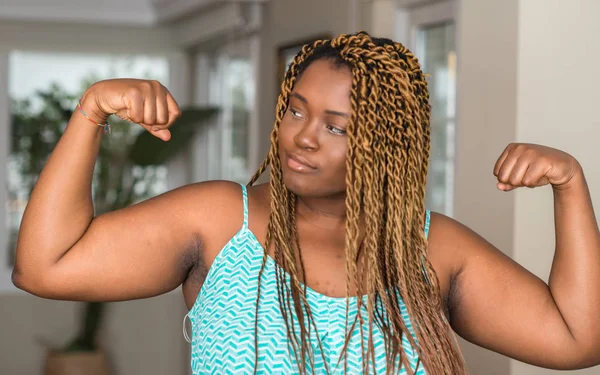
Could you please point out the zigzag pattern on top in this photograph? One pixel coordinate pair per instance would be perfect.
(223, 319)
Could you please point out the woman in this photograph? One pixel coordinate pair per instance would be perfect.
(357, 277)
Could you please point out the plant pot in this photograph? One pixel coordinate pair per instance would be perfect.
(76, 363)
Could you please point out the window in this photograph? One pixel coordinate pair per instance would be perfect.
(225, 149)
(234, 93)
(430, 32)
(437, 53)
(36, 79)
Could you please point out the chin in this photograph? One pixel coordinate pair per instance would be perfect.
(310, 186)
(299, 184)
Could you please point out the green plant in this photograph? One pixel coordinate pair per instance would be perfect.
(129, 163)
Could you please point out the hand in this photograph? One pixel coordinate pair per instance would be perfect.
(147, 103)
(531, 165)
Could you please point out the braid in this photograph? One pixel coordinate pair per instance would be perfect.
(386, 173)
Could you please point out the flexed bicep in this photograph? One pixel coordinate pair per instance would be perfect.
(501, 306)
(140, 251)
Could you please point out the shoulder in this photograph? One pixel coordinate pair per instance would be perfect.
(208, 207)
(220, 189)
(259, 207)
(259, 195)
(452, 241)
(442, 239)
(208, 196)
(218, 208)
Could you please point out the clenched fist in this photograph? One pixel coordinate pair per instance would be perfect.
(530, 165)
(147, 103)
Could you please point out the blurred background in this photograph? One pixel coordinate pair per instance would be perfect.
(500, 71)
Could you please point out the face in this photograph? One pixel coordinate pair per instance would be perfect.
(312, 133)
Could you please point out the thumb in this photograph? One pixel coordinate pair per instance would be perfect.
(505, 187)
(163, 134)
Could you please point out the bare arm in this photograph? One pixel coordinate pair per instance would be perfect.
(501, 306)
(63, 252)
(575, 275)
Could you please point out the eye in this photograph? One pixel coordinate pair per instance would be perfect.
(336, 131)
(296, 114)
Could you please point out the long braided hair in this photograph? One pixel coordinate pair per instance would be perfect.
(386, 171)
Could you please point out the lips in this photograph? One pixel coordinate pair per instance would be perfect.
(299, 163)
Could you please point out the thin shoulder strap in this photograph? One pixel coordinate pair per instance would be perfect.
(427, 218)
(245, 199)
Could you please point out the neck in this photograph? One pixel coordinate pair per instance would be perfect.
(327, 213)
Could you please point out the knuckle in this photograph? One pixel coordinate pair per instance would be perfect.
(530, 152)
(133, 93)
(136, 118)
(155, 85)
(150, 117)
(146, 87)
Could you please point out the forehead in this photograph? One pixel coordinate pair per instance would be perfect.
(322, 81)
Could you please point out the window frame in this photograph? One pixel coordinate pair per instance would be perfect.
(411, 17)
(215, 143)
(6, 284)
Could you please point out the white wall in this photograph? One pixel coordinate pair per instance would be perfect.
(46, 36)
(486, 113)
(528, 72)
(557, 101)
(130, 12)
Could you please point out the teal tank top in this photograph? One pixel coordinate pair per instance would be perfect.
(222, 319)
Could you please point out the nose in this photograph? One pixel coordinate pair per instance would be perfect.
(307, 138)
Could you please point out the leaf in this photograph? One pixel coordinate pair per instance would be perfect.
(148, 150)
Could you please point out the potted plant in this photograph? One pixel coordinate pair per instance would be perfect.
(129, 163)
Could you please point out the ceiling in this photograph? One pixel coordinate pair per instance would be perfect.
(125, 12)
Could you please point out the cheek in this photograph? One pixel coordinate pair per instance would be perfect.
(339, 159)
(283, 134)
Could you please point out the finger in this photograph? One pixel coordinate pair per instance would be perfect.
(506, 168)
(518, 171)
(135, 107)
(505, 187)
(172, 108)
(163, 134)
(162, 111)
(501, 160)
(150, 109)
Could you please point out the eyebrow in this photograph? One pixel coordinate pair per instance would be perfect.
(327, 111)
